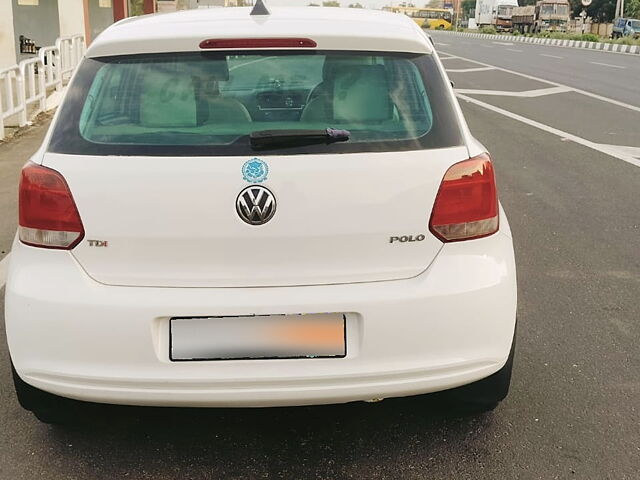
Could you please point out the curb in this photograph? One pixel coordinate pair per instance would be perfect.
(605, 47)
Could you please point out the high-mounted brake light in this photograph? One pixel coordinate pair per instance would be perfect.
(466, 206)
(231, 43)
(48, 216)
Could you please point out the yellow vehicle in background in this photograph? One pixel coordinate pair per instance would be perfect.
(434, 18)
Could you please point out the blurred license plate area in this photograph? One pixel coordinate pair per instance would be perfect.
(258, 337)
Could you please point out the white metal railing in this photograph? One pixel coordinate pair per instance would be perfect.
(11, 102)
(52, 67)
(27, 84)
(32, 87)
(71, 51)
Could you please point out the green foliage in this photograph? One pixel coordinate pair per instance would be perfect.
(599, 10)
(468, 5)
(489, 30)
(136, 7)
(355, 5)
(590, 37)
(587, 37)
(632, 8)
(627, 41)
(331, 3)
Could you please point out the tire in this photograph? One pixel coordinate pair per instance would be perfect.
(47, 408)
(485, 395)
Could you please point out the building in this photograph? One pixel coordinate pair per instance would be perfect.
(26, 25)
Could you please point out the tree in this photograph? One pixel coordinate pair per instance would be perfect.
(355, 5)
(467, 6)
(599, 10)
(632, 8)
(136, 7)
(331, 3)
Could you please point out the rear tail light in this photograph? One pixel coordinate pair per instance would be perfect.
(466, 206)
(48, 216)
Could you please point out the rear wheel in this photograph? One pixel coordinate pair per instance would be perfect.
(47, 408)
(485, 395)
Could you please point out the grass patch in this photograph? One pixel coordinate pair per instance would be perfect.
(586, 37)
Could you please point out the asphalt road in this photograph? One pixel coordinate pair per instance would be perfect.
(614, 75)
(573, 411)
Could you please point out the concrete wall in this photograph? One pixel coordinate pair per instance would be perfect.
(602, 29)
(100, 16)
(7, 40)
(71, 17)
(37, 22)
(167, 6)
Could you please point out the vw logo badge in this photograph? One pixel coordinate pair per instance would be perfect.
(256, 205)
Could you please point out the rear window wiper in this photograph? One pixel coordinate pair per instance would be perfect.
(264, 139)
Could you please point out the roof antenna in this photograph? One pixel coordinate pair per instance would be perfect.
(259, 8)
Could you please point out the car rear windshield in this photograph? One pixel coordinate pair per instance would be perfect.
(209, 103)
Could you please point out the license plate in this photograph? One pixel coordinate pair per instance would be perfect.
(258, 337)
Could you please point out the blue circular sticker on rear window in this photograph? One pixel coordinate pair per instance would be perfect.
(255, 170)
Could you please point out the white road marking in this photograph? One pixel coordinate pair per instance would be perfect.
(606, 149)
(440, 43)
(514, 50)
(503, 43)
(447, 58)
(540, 92)
(632, 151)
(4, 268)
(550, 56)
(608, 65)
(531, 77)
(468, 70)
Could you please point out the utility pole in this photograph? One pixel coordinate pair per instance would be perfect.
(583, 13)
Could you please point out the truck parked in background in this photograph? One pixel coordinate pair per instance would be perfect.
(523, 18)
(495, 13)
(547, 15)
(626, 27)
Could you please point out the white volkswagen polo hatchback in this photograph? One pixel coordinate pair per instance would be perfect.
(274, 209)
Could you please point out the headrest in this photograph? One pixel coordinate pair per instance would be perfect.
(210, 68)
(168, 99)
(332, 63)
(361, 94)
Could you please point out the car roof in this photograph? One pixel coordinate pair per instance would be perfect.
(331, 28)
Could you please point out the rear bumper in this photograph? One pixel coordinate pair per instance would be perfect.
(447, 327)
